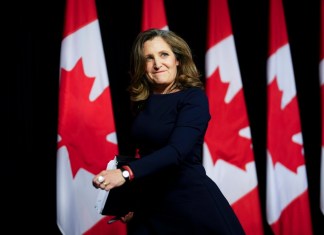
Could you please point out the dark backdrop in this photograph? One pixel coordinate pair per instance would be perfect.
(29, 162)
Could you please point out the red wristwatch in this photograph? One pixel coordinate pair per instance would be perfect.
(125, 174)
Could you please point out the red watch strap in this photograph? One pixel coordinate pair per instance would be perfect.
(131, 174)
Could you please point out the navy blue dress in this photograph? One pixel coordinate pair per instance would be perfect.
(173, 195)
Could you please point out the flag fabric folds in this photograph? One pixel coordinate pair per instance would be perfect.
(86, 131)
(287, 200)
(321, 73)
(153, 15)
(228, 153)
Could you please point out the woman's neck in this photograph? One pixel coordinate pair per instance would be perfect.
(169, 89)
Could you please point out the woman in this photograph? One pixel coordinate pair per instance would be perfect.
(172, 193)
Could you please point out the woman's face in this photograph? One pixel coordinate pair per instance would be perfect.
(161, 64)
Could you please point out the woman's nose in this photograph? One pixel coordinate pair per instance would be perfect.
(157, 66)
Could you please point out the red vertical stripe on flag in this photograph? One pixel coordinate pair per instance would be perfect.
(228, 153)
(153, 15)
(287, 200)
(321, 73)
(86, 131)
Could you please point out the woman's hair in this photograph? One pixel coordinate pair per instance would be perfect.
(187, 73)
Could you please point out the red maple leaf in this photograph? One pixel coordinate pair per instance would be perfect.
(283, 124)
(222, 137)
(83, 124)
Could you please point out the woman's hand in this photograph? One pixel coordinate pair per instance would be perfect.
(127, 217)
(108, 179)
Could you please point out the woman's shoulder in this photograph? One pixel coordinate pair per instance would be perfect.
(195, 103)
(194, 97)
(195, 93)
(195, 90)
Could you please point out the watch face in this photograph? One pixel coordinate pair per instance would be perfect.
(125, 174)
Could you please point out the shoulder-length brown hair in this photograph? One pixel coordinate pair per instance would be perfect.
(187, 73)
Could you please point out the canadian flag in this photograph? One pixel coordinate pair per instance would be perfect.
(86, 131)
(228, 153)
(153, 15)
(321, 73)
(287, 200)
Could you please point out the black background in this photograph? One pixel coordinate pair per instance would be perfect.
(35, 29)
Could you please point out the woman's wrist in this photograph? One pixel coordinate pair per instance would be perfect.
(127, 168)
